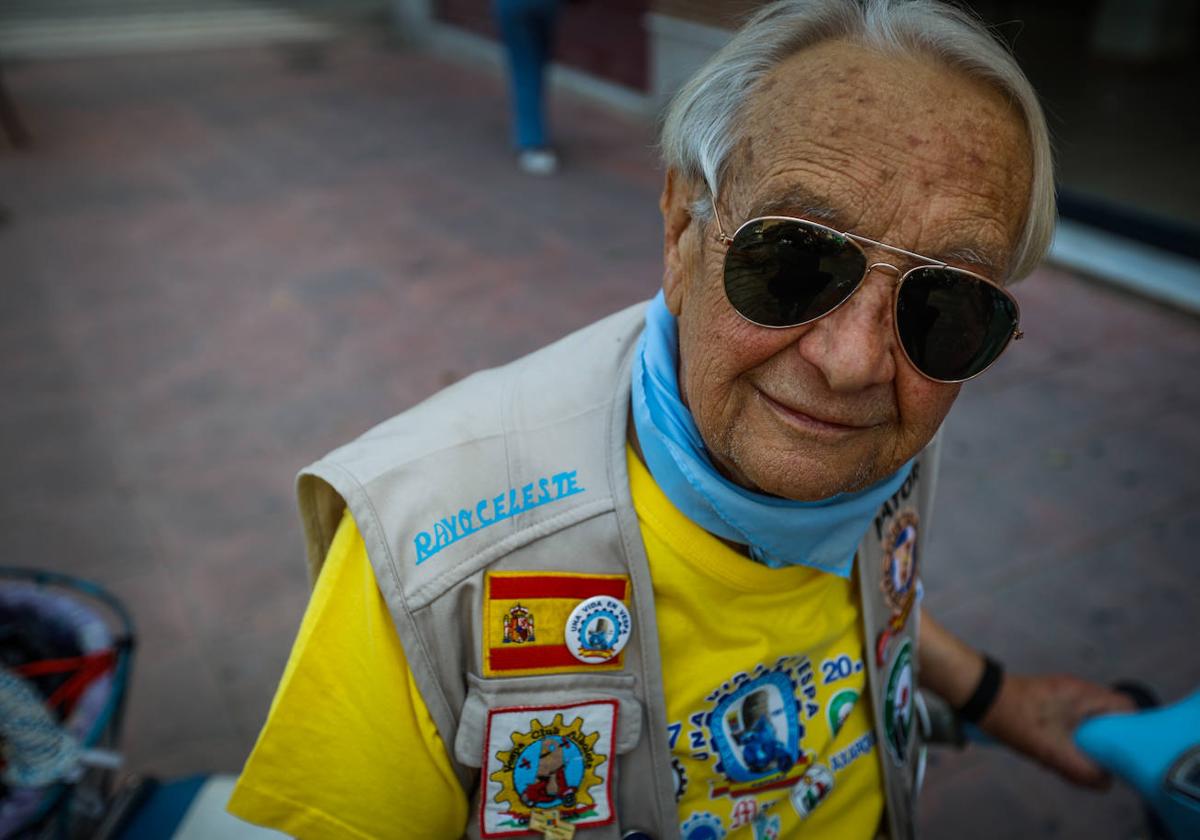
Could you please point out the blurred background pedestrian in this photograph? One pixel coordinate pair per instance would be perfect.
(527, 28)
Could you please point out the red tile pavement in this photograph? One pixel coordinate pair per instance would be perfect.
(219, 266)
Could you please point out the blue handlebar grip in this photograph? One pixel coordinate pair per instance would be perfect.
(1157, 752)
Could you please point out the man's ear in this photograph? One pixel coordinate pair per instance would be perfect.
(675, 205)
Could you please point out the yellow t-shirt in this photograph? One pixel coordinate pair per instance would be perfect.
(762, 671)
(762, 729)
(349, 748)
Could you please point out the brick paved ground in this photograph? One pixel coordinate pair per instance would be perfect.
(219, 265)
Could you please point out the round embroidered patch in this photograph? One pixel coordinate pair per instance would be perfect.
(598, 629)
(898, 704)
(900, 561)
(542, 759)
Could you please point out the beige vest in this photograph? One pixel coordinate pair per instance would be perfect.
(522, 468)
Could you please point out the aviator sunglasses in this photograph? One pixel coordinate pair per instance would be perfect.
(782, 272)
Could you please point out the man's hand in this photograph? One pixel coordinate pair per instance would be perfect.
(1038, 717)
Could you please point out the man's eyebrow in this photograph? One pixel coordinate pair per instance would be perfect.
(799, 201)
(971, 256)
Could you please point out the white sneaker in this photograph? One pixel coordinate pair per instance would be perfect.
(538, 161)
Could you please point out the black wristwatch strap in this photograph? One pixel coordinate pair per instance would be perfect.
(984, 696)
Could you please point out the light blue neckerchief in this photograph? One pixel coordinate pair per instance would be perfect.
(780, 532)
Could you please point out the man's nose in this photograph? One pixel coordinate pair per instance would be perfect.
(854, 346)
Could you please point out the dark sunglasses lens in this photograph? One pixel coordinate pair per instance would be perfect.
(952, 325)
(781, 273)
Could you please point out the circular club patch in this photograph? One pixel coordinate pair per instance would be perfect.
(900, 560)
(598, 629)
(898, 704)
(811, 790)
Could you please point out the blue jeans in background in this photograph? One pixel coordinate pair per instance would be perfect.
(527, 27)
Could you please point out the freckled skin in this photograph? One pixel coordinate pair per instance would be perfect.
(965, 182)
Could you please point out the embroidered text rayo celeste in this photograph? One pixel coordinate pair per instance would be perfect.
(485, 512)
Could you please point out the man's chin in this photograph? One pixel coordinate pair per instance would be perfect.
(808, 478)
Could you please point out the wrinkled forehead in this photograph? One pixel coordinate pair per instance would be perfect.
(885, 145)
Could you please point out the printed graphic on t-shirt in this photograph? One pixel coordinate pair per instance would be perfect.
(762, 741)
(752, 730)
(811, 790)
(755, 730)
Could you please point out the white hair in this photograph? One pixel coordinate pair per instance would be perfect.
(701, 126)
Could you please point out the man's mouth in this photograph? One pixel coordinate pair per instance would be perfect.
(810, 421)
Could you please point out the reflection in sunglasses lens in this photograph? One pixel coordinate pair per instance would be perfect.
(782, 273)
(952, 325)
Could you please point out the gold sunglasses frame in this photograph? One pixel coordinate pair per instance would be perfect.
(900, 276)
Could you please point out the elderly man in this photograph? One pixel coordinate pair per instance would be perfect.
(663, 575)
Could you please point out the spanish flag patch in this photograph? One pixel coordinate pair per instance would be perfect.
(554, 622)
